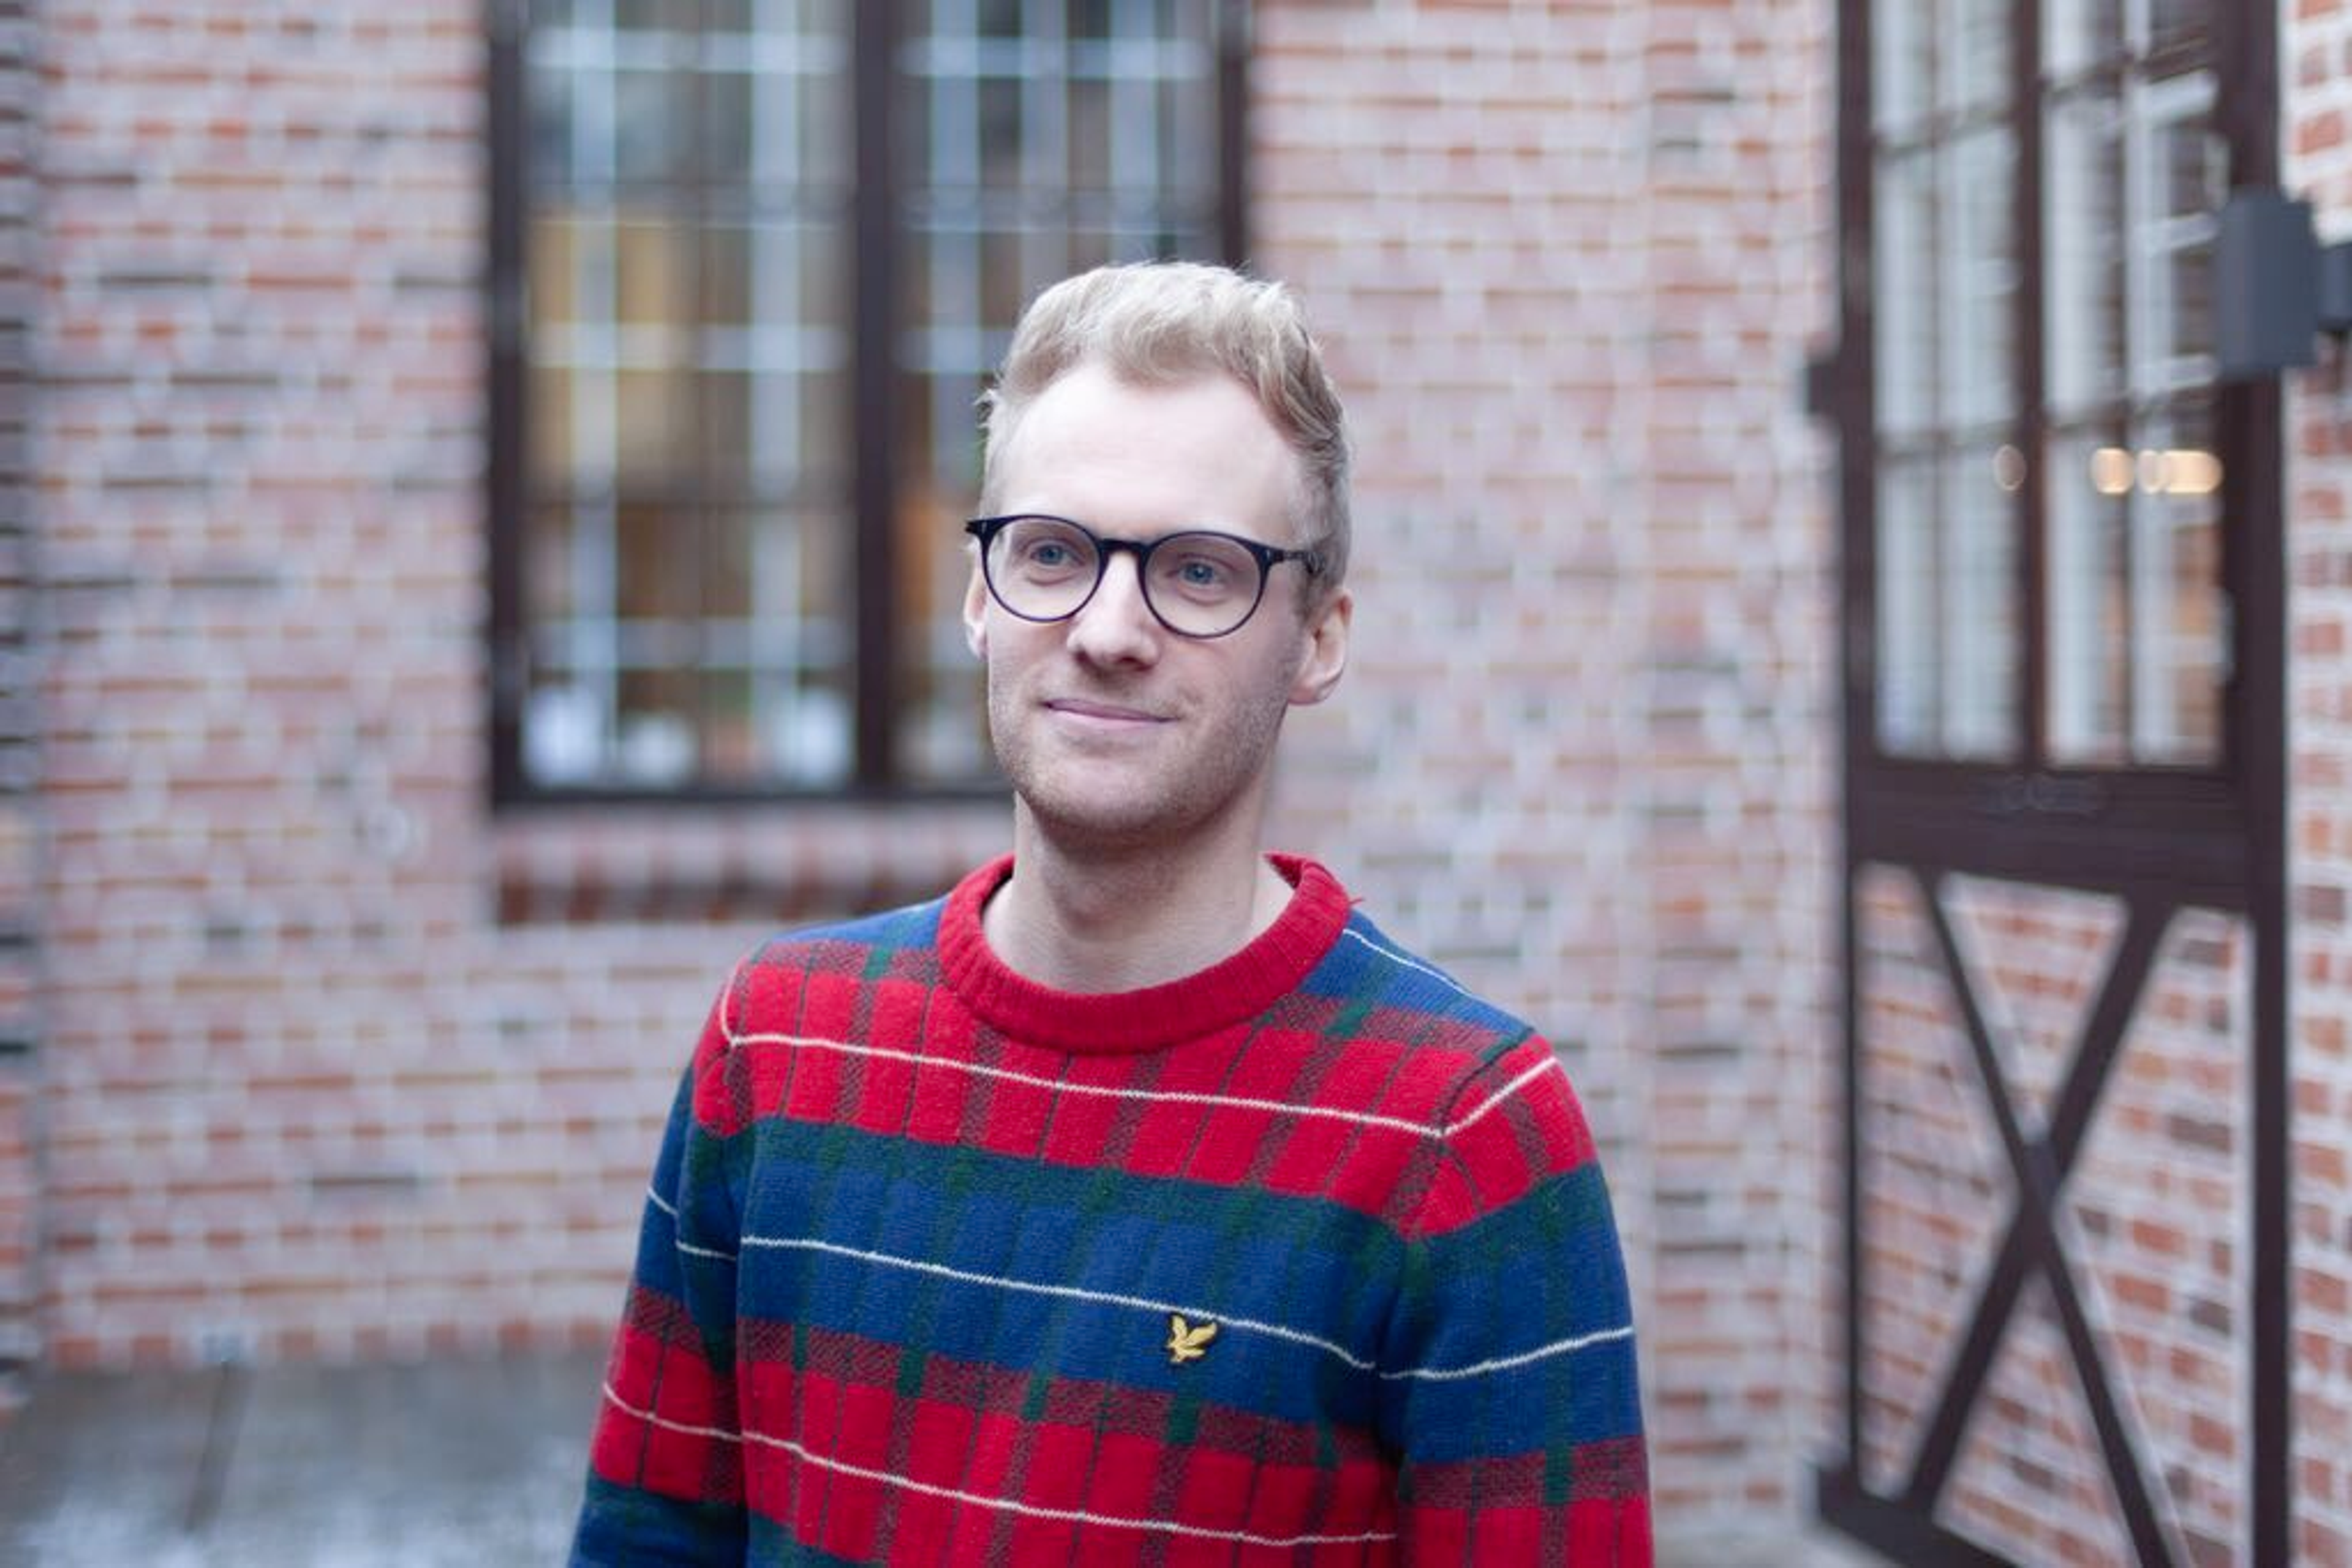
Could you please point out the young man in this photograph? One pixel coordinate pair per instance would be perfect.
(1139, 1201)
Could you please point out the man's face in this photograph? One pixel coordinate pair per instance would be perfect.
(1114, 729)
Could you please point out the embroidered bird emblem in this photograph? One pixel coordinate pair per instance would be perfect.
(1186, 1342)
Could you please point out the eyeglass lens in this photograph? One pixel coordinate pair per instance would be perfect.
(1203, 584)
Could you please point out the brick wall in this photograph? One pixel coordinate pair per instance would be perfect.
(2317, 68)
(2153, 1217)
(21, 649)
(341, 1066)
(1568, 259)
(307, 1092)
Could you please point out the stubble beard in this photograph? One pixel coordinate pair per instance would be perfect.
(1092, 805)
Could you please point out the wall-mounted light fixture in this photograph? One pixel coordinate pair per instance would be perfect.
(2278, 287)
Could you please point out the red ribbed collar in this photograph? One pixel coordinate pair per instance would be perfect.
(1226, 993)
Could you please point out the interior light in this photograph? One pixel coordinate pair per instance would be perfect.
(2111, 471)
(2008, 469)
(2190, 472)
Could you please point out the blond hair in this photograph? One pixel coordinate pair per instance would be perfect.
(1158, 321)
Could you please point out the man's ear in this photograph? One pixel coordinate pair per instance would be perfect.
(1325, 654)
(975, 614)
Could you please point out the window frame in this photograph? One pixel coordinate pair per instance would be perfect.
(876, 248)
(2030, 813)
(2159, 836)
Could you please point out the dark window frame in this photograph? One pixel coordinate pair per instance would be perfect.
(2158, 838)
(876, 248)
(2095, 819)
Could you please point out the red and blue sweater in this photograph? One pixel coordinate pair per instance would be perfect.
(1303, 1258)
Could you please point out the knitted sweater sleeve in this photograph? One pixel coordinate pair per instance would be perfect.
(666, 1473)
(1509, 1382)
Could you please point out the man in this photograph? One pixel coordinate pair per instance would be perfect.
(1139, 1201)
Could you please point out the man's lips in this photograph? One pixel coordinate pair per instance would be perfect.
(1102, 712)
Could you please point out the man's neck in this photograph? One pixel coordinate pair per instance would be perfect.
(1092, 921)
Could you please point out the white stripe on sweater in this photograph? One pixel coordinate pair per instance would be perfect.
(1524, 1358)
(1192, 1310)
(1153, 1096)
(1395, 957)
(1070, 1293)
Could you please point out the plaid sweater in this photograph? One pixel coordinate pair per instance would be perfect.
(1303, 1258)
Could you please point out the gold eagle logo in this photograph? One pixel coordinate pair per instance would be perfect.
(1186, 1342)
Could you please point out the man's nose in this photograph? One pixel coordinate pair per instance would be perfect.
(1116, 626)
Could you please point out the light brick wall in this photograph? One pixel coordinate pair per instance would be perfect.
(22, 641)
(2153, 1217)
(341, 1066)
(307, 1094)
(2317, 67)
(1570, 262)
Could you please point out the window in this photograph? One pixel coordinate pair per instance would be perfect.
(2047, 476)
(753, 260)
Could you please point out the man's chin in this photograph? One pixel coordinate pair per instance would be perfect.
(1105, 827)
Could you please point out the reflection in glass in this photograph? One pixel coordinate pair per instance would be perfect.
(681, 334)
(2088, 514)
(1977, 48)
(1981, 252)
(1977, 583)
(2084, 227)
(1907, 659)
(2080, 34)
(1901, 34)
(2138, 632)
(1903, 287)
(2180, 645)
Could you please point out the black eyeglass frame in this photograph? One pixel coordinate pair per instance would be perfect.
(1267, 556)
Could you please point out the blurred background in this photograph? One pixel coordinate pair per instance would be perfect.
(1854, 563)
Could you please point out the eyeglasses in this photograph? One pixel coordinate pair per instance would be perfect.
(1197, 584)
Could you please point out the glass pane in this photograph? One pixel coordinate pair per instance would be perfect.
(550, 436)
(1947, 631)
(2089, 511)
(2177, 186)
(2172, 22)
(1906, 663)
(653, 127)
(800, 582)
(2180, 648)
(727, 126)
(2080, 34)
(2083, 217)
(1977, 564)
(692, 351)
(2195, 168)
(1904, 284)
(1981, 289)
(1979, 45)
(658, 571)
(554, 246)
(548, 577)
(653, 274)
(1902, 38)
(655, 407)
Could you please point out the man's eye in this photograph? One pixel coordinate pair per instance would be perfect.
(1048, 555)
(1202, 577)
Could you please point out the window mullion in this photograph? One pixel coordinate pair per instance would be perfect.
(877, 241)
(2033, 392)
